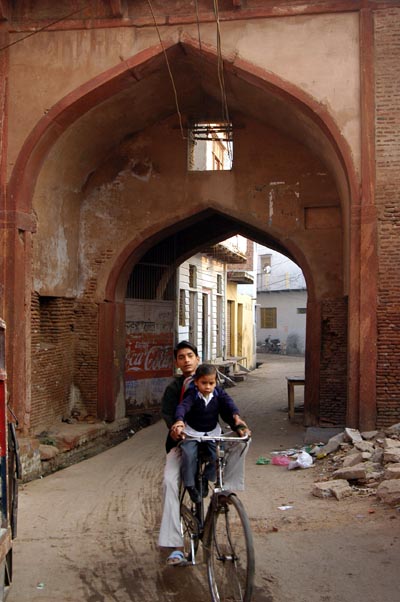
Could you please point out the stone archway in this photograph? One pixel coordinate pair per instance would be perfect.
(190, 237)
(298, 111)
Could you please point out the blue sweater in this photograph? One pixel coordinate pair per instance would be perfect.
(204, 418)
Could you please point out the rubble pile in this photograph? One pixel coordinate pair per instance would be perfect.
(367, 463)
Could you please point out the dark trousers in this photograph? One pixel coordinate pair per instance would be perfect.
(190, 452)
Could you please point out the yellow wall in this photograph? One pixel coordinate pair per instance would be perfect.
(247, 304)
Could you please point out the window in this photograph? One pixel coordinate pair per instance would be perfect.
(218, 150)
(192, 276)
(193, 317)
(263, 278)
(219, 284)
(268, 317)
(210, 147)
(182, 308)
(218, 324)
(266, 263)
(301, 310)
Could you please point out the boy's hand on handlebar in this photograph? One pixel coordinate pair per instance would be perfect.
(176, 430)
(241, 427)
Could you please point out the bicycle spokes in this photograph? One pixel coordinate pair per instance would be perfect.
(230, 555)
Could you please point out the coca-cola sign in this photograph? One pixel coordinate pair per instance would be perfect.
(148, 355)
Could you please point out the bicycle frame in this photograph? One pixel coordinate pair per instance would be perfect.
(225, 534)
(204, 525)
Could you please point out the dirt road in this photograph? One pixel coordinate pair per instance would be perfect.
(89, 532)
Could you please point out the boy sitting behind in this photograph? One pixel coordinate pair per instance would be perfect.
(198, 412)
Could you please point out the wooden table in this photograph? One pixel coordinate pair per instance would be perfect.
(292, 382)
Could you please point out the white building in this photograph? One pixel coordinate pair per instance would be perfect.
(212, 313)
(281, 301)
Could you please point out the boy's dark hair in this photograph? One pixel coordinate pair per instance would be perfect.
(185, 345)
(205, 370)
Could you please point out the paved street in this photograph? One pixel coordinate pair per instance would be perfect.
(89, 532)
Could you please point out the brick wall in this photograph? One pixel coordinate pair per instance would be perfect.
(53, 351)
(64, 359)
(387, 99)
(249, 265)
(86, 361)
(333, 374)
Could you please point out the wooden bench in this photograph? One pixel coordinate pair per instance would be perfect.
(292, 382)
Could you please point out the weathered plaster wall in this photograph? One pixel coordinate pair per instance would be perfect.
(276, 186)
(317, 53)
(98, 190)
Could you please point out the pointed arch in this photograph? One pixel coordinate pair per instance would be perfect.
(135, 69)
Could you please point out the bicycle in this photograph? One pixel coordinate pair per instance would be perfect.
(225, 533)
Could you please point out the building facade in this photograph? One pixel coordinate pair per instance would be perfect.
(97, 108)
(213, 314)
(281, 302)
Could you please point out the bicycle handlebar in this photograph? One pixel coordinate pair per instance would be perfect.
(219, 438)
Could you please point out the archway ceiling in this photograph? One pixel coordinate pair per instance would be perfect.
(199, 232)
(181, 241)
(146, 96)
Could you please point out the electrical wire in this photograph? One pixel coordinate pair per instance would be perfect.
(169, 70)
(198, 24)
(221, 79)
(292, 280)
(33, 33)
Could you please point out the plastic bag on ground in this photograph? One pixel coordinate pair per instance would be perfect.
(304, 460)
(280, 461)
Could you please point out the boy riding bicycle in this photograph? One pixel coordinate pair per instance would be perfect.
(198, 414)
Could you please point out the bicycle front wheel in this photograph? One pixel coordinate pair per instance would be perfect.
(230, 552)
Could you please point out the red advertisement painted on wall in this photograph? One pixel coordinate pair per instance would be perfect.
(148, 355)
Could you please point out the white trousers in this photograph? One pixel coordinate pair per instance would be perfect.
(170, 535)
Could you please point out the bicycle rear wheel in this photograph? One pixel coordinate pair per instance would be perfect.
(190, 528)
(230, 552)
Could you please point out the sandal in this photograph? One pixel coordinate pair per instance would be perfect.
(176, 558)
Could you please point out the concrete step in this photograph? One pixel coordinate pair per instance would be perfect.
(238, 376)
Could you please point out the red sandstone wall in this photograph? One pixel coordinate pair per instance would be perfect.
(85, 367)
(333, 370)
(70, 358)
(387, 98)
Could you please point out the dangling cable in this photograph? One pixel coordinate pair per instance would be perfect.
(198, 24)
(220, 68)
(33, 33)
(169, 70)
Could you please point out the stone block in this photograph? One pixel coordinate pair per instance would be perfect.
(368, 435)
(389, 443)
(352, 435)
(352, 459)
(338, 489)
(30, 458)
(364, 446)
(392, 455)
(394, 429)
(333, 444)
(351, 473)
(48, 452)
(392, 471)
(389, 492)
(377, 456)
